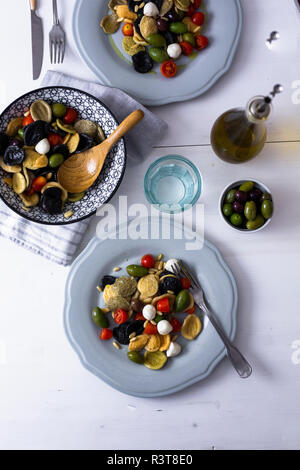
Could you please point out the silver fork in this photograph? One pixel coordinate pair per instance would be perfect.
(238, 361)
(57, 39)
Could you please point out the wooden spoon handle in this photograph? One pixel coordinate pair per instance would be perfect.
(32, 5)
(132, 120)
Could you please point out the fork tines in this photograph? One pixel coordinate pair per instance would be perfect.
(57, 44)
(181, 270)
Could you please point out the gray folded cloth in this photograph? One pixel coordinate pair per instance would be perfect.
(59, 243)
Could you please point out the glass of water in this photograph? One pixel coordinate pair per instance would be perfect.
(173, 183)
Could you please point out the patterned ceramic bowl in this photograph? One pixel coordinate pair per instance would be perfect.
(111, 175)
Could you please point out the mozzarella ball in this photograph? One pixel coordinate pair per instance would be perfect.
(150, 9)
(174, 51)
(170, 263)
(43, 147)
(149, 312)
(174, 350)
(164, 327)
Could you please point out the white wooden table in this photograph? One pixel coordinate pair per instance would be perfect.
(48, 401)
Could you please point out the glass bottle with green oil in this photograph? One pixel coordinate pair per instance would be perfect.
(239, 134)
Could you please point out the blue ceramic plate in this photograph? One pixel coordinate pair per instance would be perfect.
(198, 357)
(88, 107)
(223, 28)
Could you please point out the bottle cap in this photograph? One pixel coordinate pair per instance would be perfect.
(260, 107)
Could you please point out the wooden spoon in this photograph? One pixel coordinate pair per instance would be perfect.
(80, 171)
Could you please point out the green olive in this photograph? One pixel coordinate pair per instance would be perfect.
(136, 357)
(178, 28)
(247, 186)
(59, 110)
(156, 40)
(158, 318)
(182, 301)
(256, 224)
(21, 133)
(230, 196)
(227, 210)
(250, 210)
(189, 37)
(99, 318)
(56, 160)
(236, 219)
(267, 209)
(266, 197)
(137, 271)
(157, 54)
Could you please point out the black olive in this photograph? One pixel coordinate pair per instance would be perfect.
(49, 129)
(4, 142)
(136, 24)
(133, 3)
(170, 284)
(34, 133)
(86, 142)
(142, 62)
(16, 142)
(44, 172)
(107, 280)
(135, 327)
(62, 149)
(122, 332)
(51, 201)
(13, 156)
(169, 37)
(158, 3)
(165, 273)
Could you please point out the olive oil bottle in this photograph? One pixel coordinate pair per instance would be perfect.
(240, 134)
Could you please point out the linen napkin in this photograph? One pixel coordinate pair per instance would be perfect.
(59, 243)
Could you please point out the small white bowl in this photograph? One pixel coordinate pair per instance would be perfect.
(237, 184)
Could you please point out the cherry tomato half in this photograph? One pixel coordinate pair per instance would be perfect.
(54, 139)
(38, 183)
(70, 116)
(148, 261)
(186, 283)
(150, 329)
(127, 29)
(120, 316)
(198, 18)
(139, 316)
(176, 325)
(106, 334)
(186, 48)
(191, 311)
(27, 120)
(168, 69)
(201, 42)
(163, 305)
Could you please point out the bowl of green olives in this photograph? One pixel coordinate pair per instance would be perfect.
(247, 206)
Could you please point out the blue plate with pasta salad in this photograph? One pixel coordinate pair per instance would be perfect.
(198, 358)
(104, 54)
